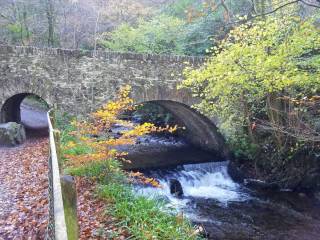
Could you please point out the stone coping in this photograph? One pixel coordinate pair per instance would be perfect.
(99, 54)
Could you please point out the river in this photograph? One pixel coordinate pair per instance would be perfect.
(226, 209)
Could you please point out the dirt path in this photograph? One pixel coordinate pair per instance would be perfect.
(24, 190)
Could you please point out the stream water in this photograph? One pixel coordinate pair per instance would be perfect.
(228, 210)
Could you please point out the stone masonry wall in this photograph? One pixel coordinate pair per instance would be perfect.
(80, 81)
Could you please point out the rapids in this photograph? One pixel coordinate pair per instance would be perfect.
(226, 209)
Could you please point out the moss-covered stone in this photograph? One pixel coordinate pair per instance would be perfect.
(12, 134)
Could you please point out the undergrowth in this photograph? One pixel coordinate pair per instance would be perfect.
(144, 218)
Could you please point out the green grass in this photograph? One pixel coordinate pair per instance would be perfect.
(77, 150)
(103, 171)
(144, 218)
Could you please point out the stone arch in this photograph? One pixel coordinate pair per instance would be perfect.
(10, 110)
(199, 129)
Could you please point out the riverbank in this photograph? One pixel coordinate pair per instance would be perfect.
(108, 208)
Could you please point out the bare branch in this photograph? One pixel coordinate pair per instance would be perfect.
(4, 17)
(276, 9)
(310, 4)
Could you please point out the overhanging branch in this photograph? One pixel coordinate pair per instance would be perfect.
(310, 4)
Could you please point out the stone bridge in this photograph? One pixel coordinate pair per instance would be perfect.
(79, 81)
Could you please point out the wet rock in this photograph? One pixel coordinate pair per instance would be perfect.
(260, 185)
(176, 188)
(317, 195)
(12, 134)
(235, 172)
(302, 195)
(310, 182)
(200, 231)
(305, 167)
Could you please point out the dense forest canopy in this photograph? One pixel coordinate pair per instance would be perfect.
(166, 26)
(66, 23)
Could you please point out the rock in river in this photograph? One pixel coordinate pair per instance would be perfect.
(176, 188)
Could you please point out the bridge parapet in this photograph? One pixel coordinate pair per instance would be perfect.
(79, 81)
(100, 54)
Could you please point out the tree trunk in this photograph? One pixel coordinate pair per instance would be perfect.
(25, 23)
(247, 118)
(50, 18)
(275, 109)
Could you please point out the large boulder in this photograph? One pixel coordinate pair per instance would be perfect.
(12, 134)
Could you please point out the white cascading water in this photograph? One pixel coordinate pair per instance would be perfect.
(206, 180)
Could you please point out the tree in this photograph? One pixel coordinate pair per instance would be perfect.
(64, 23)
(161, 35)
(207, 24)
(15, 22)
(254, 81)
(199, 21)
(49, 6)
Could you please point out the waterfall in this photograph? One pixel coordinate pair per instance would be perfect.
(205, 180)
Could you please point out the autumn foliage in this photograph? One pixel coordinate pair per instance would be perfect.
(94, 136)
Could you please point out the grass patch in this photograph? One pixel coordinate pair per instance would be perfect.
(143, 217)
(108, 171)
